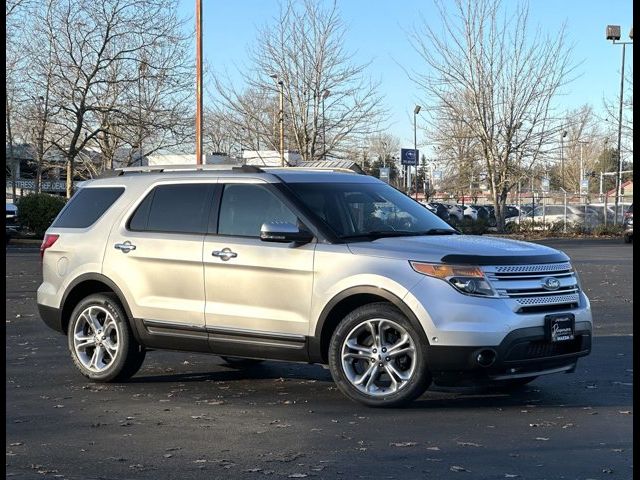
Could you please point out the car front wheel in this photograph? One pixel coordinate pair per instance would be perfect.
(100, 340)
(377, 357)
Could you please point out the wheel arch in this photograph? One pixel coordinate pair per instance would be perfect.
(345, 302)
(88, 284)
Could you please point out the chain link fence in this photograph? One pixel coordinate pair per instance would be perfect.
(560, 212)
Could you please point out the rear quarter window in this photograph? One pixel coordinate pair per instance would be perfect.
(87, 206)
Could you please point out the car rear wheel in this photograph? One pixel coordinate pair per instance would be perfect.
(377, 357)
(100, 340)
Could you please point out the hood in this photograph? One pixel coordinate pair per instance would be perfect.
(464, 249)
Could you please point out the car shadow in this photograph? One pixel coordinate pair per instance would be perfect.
(261, 371)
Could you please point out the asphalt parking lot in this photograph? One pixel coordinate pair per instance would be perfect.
(187, 416)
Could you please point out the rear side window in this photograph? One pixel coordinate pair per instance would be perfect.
(174, 209)
(87, 206)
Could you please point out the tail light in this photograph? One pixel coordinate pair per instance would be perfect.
(47, 242)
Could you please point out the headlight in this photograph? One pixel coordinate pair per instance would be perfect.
(467, 279)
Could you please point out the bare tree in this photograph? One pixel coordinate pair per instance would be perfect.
(611, 114)
(329, 101)
(488, 71)
(95, 63)
(384, 148)
(460, 153)
(15, 10)
(582, 145)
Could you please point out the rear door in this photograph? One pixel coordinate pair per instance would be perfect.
(258, 297)
(154, 255)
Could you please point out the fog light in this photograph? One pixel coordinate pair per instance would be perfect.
(486, 358)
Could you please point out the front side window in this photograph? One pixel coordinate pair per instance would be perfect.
(245, 207)
(367, 210)
(180, 208)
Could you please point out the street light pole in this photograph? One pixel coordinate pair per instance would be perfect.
(613, 33)
(416, 111)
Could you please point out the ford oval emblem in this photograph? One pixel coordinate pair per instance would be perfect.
(550, 283)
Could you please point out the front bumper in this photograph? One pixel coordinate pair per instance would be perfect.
(523, 353)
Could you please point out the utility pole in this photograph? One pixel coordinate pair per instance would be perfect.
(582, 143)
(280, 115)
(564, 134)
(325, 94)
(281, 83)
(198, 82)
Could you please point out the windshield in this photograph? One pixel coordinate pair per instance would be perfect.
(368, 210)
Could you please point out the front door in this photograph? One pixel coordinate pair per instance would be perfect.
(258, 294)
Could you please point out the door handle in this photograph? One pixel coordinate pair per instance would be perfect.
(224, 254)
(125, 247)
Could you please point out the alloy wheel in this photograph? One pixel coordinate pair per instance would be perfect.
(96, 339)
(378, 357)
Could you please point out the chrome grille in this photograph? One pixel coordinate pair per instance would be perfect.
(549, 300)
(523, 283)
(545, 267)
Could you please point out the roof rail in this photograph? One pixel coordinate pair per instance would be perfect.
(313, 169)
(187, 168)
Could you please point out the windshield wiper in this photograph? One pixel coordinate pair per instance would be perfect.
(441, 231)
(375, 234)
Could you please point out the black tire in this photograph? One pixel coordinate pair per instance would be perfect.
(416, 385)
(130, 355)
(238, 362)
(628, 239)
(512, 384)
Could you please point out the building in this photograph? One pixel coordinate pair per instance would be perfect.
(270, 158)
(626, 190)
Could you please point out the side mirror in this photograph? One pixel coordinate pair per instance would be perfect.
(284, 233)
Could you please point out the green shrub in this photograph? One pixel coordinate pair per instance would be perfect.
(556, 227)
(577, 228)
(603, 229)
(37, 211)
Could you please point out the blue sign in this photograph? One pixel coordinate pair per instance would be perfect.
(409, 156)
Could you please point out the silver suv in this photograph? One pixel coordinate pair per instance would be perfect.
(303, 265)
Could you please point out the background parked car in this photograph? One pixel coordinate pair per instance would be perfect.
(455, 212)
(482, 212)
(550, 214)
(470, 212)
(11, 222)
(441, 211)
(628, 224)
